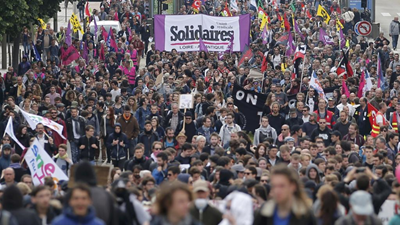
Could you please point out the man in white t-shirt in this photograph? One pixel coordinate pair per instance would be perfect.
(115, 91)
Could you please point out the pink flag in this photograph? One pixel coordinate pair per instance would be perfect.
(104, 33)
(113, 44)
(362, 84)
(345, 89)
(85, 55)
(116, 16)
(130, 34)
(69, 55)
(290, 49)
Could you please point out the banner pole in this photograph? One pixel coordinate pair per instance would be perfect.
(302, 72)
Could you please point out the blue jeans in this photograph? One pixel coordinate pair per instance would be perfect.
(395, 38)
(74, 151)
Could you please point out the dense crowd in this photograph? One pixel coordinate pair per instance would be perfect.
(319, 156)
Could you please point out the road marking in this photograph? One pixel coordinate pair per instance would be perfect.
(385, 14)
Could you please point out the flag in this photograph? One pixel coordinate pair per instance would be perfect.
(85, 52)
(76, 25)
(345, 88)
(68, 37)
(361, 87)
(69, 55)
(290, 45)
(372, 111)
(234, 5)
(116, 16)
(381, 78)
(95, 27)
(247, 53)
(324, 14)
(342, 39)
(316, 85)
(130, 34)
(87, 12)
(308, 14)
(264, 22)
(101, 54)
(42, 23)
(10, 131)
(286, 22)
(104, 33)
(264, 65)
(298, 56)
(368, 81)
(41, 165)
(344, 67)
(196, 6)
(339, 25)
(325, 38)
(202, 46)
(34, 120)
(229, 49)
(225, 11)
(111, 40)
(253, 3)
(261, 13)
(266, 36)
(36, 53)
(293, 6)
(296, 28)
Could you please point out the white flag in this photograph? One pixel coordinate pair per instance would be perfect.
(234, 5)
(10, 131)
(34, 120)
(41, 165)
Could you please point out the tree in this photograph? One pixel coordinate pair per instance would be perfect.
(16, 14)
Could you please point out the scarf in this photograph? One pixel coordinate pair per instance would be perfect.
(61, 157)
(265, 130)
(77, 125)
(126, 118)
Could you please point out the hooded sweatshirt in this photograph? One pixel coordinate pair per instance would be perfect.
(4, 160)
(103, 203)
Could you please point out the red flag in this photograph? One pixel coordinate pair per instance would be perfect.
(345, 88)
(361, 86)
(372, 111)
(345, 67)
(308, 14)
(264, 64)
(69, 55)
(278, 15)
(87, 12)
(247, 53)
(286, 22)
(196, 5)
(226, 11)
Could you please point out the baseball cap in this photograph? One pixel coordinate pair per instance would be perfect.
(361, 203)
(287, 139)
(200, 185)
(336, 133)
(330, 99)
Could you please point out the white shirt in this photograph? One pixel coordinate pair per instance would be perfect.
(115, 93)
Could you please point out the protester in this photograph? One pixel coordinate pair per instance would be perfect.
(286, 109)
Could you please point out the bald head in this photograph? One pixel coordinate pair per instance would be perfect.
(9, 175)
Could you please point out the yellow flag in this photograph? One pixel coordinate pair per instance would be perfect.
(324, 14)
(75, 23)
(42, 23)
(339, 25)
(263, 22)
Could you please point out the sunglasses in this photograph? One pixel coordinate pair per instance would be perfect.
(248, 173)
(158, 149)
(264, 181)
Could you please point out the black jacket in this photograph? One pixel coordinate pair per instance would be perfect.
(147, 141)
(51, 149)
(88, 152)
(167, 121)
(144, 162)
(70, 132)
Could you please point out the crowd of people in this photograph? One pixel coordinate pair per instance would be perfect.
(311, 161)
